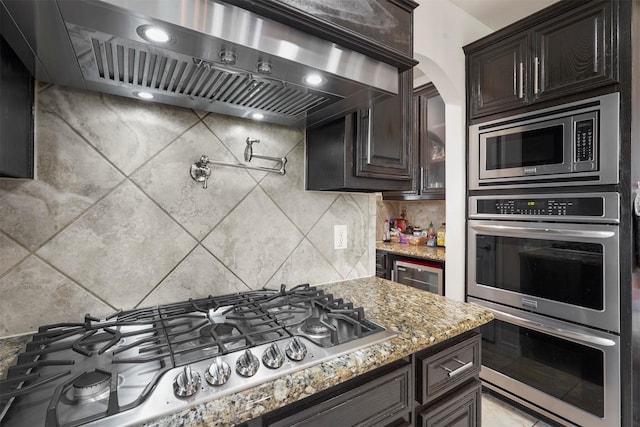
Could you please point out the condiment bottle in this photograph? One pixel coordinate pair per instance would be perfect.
(431, 235)
(386, 237)
(440, 235)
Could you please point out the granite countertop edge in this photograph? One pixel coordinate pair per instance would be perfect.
(399, 308)
(426, 252)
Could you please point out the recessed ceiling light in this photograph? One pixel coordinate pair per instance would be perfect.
(313, 79)
(258, 116)
(144, 95)
(154, 34)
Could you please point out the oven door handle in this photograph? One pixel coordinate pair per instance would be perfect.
(540, 327)
(519, 231)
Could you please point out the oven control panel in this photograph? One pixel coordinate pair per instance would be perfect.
(542, 207)
(601, 207)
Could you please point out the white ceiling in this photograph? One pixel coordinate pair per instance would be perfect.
(496, 14)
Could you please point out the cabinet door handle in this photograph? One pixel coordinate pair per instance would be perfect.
(521, 78)
(369, 129)
(596, 32)
(458, 371)
(422, 183)
(536, 85)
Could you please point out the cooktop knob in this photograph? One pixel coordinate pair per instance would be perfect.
(247, 364)
(186, 383)
(296, 350)
(273, 357)
(218, 372)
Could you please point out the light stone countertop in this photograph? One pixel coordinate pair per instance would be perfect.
(422, 251)
(420, 319)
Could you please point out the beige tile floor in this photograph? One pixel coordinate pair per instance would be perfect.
(496, 413)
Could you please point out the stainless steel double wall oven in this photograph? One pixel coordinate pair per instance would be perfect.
(543, 254)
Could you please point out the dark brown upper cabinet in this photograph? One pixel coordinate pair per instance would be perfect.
(574, 52)
(367, 150)
(498, 76)
(16, 116)
(383, 146)
(429, 146)
(564, 49)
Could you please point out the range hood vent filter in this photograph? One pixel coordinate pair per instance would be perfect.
(196, 78)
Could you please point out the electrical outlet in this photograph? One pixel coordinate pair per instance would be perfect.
(339, 237)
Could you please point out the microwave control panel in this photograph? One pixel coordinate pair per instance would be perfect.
(584, 142)
(557, 206)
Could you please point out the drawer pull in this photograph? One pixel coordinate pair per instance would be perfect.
(461, 369)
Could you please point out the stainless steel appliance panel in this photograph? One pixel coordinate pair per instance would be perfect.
(421, 275)
(568, 271)
(572, 144)
(552, 366)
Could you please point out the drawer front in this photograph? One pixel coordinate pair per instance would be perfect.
(376, 403)
(438, 373)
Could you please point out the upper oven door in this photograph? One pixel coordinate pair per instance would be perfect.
(570, 144)
(567, 271)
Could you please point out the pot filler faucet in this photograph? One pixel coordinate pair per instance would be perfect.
(200, 170)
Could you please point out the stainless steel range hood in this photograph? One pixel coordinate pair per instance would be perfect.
(219, 57)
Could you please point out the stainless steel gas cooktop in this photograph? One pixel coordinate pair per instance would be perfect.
(145, 363)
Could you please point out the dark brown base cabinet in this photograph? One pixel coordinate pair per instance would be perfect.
(462, 409)
(438, 386)
(382, 401)
(383, 265)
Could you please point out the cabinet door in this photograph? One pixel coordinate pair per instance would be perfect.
(16, 116)
(498, 76)
(432, 143)
(463, 409)
(383, 145)
(575, 52)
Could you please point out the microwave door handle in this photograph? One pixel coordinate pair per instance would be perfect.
(540, 327)
(520, 231)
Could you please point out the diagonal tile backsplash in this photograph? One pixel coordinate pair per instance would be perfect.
(121, 248)
(114, 220)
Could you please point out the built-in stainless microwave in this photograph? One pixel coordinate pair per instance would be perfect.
(570, 144)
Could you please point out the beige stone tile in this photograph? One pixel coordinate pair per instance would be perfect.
(71, 177)
(34, 294)
(305, 265)
(304, 208)
(198, 276)
(121, 248)
(361, 269)
(166, 180)
(10, 253)
(496, 413)
(345, 211)
(127, 131)
(422, 213)
(254, 239)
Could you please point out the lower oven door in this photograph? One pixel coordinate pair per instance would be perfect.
(567, 271)
(554, 367)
